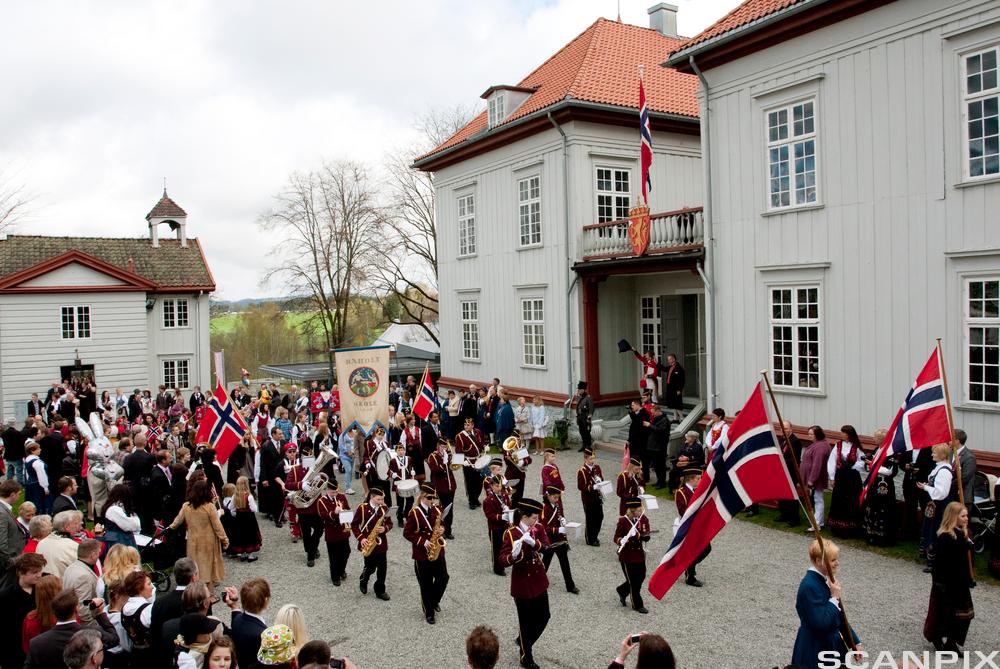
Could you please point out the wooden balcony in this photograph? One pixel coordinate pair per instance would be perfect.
(670, 232)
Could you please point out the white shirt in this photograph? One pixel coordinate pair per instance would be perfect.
(844, 448)
(230, 504)
(127, 523)
(133, 604)
(711, 441)
(941, 477)
(38, 466)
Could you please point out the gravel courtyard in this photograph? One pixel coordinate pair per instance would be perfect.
(743, 617)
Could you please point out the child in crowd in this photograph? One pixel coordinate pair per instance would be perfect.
(245, 539)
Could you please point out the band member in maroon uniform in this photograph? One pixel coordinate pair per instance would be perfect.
(310, 525)
(432, 575)
(587, 478)
(629, 484)
(683, 497)
(554, 521)
(550, 471)
(401, 469)
(630, 535)
(496, 469)
(439, 462)
(337, 533)
(366, 518)
(517, 475)
(522, 546)
(411, 439)
(373, 448)
(495, 505)
(469, 442)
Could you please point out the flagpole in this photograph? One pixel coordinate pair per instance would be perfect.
(810, 515)
(954, 442)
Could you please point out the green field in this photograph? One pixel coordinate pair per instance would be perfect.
(225, 323)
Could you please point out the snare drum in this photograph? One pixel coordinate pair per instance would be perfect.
(482, 465)
(407, 488)
(604, 487)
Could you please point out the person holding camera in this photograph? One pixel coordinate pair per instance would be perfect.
(654, 651)
(318, 654)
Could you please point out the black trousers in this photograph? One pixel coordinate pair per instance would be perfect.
(692, 570)
(432, 576)
(532, 617)
(584, 427)
(659, 462)
(473, 485)
(788, 511)
(447, 498)
(594, 516)
(311, 527)
(635, 574)
(375, 564)
(338, 552)
(496, 543)
(562, 552)
(403, 506)
(518, 493)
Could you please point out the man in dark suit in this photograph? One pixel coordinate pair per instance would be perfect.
(673, 393)
(197, 399)
(271, 470)
(429, 434)
(46, 650)
(160, 480)
(788, 509)
(248, 623)
(13, 450)
(138, 466)
(52, 453)
(967, 461)
(35, 406)
(134, 406)
(638, 435)
(11, 537)
(169, 606)
(65, 500)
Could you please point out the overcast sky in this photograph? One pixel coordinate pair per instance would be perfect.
(225, 98)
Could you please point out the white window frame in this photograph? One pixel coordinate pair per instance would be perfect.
(982, 96)
(532, 331)
(468, 309)
(495, 109)
(650, 317)
(466, 209)
(969, 323)
(79, 314)
(175, 373)
(795, 322)
(617, 198)
(796, 135)
(175, 321)
(529, 211)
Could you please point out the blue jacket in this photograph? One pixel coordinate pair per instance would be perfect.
(820, 619)
(505, 421)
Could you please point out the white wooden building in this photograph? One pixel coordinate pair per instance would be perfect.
(129, 312)
(853, 183)
(537, 279)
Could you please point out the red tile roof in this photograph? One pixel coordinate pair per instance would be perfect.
(748, 12)
(166, 208)
(601, 65)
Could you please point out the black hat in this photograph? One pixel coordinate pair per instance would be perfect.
(427, 490)
(552, 490)
(587, 452)
(497, 461)
(623, 345)
(194, 624)
(633, 503)
(375, 490)
(529, 506)
(552, 451)
(495, 480)
(581, 385)
(635, 461)
(442, 440)
(694, 470)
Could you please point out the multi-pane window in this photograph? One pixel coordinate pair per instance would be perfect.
(982, 333)
(470, 329)
(533, 331)
(529, 210)
(614, 195)
(75, 322)
(795, 330)
(982, 108)
(175, 373)
(467, 225)
(791, 155)
(175, 313)
(649, 323)
(495, 107)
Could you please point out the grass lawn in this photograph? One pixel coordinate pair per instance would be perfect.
(227, 322)
(904, 550)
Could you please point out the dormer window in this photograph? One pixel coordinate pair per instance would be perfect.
(495, 105)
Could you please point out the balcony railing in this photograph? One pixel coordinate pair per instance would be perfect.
(679, 230)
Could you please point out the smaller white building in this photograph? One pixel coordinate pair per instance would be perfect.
(128, 312)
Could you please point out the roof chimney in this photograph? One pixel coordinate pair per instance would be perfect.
(663, 19)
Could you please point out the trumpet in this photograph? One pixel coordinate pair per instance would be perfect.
(511, 445)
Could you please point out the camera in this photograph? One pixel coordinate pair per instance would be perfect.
(225, 597)
(337, 663)
(91, 605)
(635, 638)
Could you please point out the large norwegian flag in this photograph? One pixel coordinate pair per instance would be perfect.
(222, 426)
(646, 147)
(748, 468)
(424, 403)
(921, 422)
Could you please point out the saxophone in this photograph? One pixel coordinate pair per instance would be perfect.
(373, 538)
(437, 541)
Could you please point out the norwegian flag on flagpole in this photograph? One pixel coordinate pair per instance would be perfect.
(424, 403)
(646, 146)
(921, 422)
(748, 468)
(222, 426)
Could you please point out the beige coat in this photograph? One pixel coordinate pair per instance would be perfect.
(205, 540)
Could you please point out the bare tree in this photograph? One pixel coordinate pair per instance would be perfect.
(408, 272)
(13, 203)
(329, 226)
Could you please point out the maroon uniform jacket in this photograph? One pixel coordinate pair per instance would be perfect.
(527, 576)
(365, 519)
(550, 520)
(634, 550)
(683, 497)
(550, 476)
(326, 508)
(400, 471)
(293, 481)
(493, 510)
(441, 476)
(628, 486)
(469, 444)
(586, 477)
(486, 483)
(419, 527)
(512, 471)
(370, 451)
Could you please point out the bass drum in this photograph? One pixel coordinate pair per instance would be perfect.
(482, 465)
(382, 464)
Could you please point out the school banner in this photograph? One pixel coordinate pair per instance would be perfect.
(363, 381)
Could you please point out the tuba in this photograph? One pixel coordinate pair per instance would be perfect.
(511, 445)
(315, 482)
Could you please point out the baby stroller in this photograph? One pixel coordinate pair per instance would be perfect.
(983, 513)
(156, 555)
